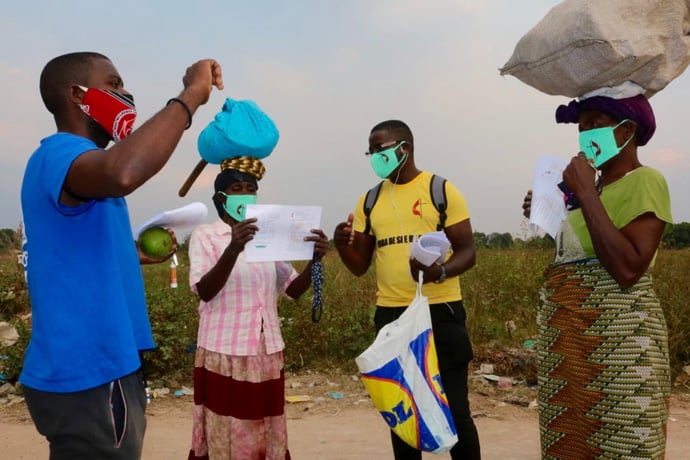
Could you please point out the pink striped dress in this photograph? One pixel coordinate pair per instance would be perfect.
(239, 384)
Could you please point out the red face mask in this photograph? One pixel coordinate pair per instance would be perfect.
(115, 112)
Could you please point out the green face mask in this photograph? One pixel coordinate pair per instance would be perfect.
(600, 145)
(384, 162)
(236, 205)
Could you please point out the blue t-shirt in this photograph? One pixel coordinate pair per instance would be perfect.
(89, 317)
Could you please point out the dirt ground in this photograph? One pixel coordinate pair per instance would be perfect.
(338, 421)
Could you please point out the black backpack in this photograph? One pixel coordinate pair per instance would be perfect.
(438, 198)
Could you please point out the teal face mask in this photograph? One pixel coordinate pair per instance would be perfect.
(384, 162)
(600, 144)
(236, 205)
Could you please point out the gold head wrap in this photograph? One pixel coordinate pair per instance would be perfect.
(245, 164)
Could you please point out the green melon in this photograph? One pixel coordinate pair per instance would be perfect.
(156, 242)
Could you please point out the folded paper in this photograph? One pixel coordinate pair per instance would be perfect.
(430, 248)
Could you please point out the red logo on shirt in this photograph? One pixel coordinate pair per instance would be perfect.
(417, 208)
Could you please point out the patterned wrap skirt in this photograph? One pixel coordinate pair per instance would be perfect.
(603, 366)
(239, 407)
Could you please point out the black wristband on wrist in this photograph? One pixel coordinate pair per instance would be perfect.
(186, 107)
(441, 277)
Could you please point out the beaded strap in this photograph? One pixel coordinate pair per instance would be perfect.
(317, 283)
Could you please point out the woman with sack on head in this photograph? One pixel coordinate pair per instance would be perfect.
(604, 372)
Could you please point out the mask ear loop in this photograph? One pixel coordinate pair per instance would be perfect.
(627, 120)
(405, 157)
(397, 176)
(224, 202)
(404, 153)
(84, 90)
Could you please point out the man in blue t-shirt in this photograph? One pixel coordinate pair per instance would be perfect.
(81, 373)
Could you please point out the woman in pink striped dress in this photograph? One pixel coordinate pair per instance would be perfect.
(239, 382)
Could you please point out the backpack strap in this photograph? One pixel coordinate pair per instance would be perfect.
(369, 202)
(438, 198)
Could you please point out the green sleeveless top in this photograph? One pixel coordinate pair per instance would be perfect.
(640, 191)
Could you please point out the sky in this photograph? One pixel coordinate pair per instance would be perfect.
(326, 72)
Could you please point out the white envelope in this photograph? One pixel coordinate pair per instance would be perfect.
(189, 215)
(430, 248)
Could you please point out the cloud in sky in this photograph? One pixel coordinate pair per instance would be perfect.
(669, 158)
(326, 72)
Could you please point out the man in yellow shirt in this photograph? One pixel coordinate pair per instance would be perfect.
(404, 210)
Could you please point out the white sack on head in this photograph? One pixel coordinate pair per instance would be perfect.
(583, 45)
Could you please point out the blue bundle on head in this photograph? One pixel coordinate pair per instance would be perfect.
(240, 129)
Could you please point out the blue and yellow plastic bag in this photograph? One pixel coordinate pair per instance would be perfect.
(400, 372)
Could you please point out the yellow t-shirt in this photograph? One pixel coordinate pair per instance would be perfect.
(402, 212)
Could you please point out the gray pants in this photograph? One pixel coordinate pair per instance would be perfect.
(106, 422)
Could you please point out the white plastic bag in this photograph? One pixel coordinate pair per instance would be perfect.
(584, 45)
(400, 372)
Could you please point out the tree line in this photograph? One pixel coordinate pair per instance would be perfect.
(677, 237)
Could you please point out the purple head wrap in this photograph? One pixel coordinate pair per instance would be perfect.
(635, 108)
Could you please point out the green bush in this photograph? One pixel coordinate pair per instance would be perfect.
(14, 298)
(346, 327)
(14, 305)
(174, 322)
(500, 294)
(12, 357)
(672, 284)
